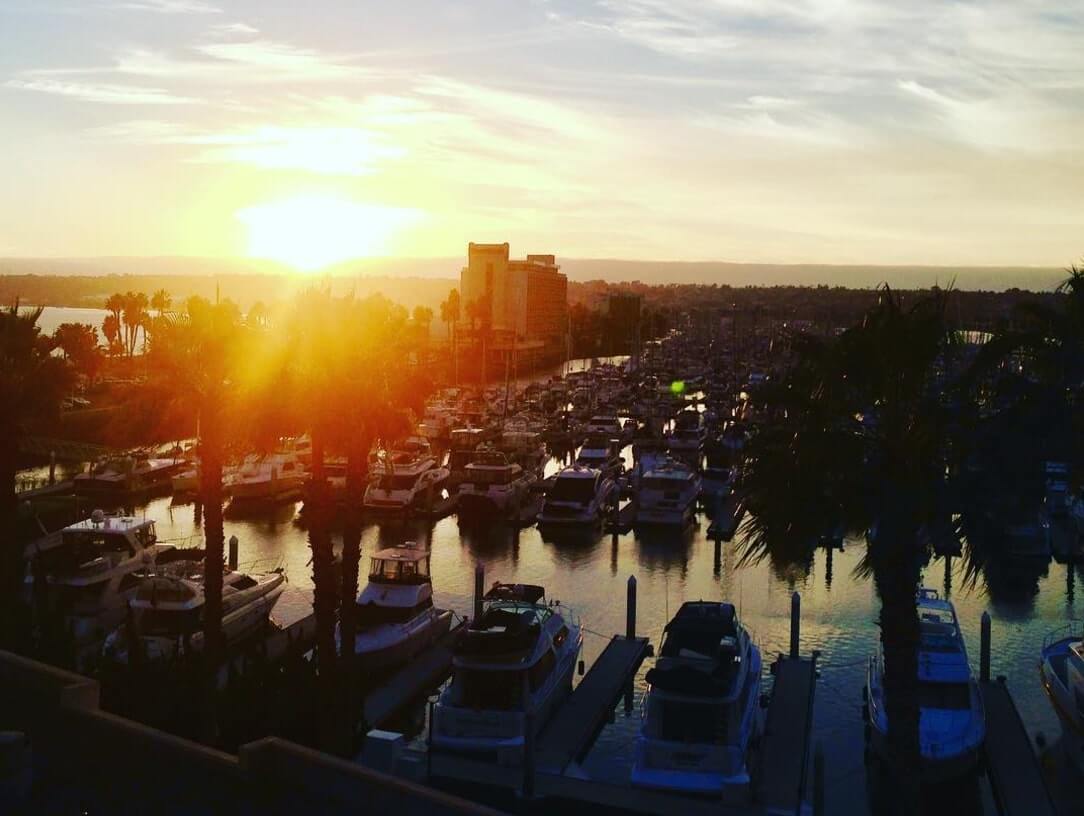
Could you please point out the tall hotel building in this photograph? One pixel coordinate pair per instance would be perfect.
(528, 301)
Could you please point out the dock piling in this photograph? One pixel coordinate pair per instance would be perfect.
(630, 619)
(818, 781)
(795, 624)
(984, 649)
(479, 589)
(233, 552)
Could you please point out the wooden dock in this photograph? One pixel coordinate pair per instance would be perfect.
(786, 736)
(576, 724)
(1011, 765)
(410, 682)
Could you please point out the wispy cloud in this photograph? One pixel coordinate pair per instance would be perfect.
(170, 6)
(108, 94)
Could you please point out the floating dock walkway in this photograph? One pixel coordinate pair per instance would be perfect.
(786, 735)
(578, 721)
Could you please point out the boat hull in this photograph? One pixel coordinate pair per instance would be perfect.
(374, 657)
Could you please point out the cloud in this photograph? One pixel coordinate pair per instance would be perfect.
(344, 151)
(234, 30)
(170, 6)
(108, 94)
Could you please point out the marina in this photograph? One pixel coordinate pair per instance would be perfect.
(629, 507)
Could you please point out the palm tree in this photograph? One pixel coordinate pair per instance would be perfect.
(161, 301)
(135, 317)
(864, 443)
(111, 330)
(32, 383)
(449, 314)
(200, 353)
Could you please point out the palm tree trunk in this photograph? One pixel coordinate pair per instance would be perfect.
(325, 593)
(211, 493)
(356, 466)
(896, 575)
(11, 562)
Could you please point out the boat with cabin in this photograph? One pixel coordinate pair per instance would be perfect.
(701, 717)
(578, 496)
(668, 494)
(167, 612)
(395, 616)
(952, 719)
(1061, 669)
(494, 487)
(511, 669)
(405, 477)
(602, 453)
(127, 475)
(277, 477)
(90, 575)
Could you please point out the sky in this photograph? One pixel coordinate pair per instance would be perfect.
(782, 131)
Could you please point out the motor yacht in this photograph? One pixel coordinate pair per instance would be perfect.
(167, 612)
(668, 494)
(511, 669)
(89, 576)
(1062, 670)
(128, 474)
(273, 478)
(405, 477)
(494, 487)
(952, 721)
(701, 715)
(578, 496)
(396, 619)
(688, 434)
(602, 453)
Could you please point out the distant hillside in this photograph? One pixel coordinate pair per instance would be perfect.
(578, 269)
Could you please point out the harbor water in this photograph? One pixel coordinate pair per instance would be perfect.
(588, 572)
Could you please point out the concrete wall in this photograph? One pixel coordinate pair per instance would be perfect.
(88, 759)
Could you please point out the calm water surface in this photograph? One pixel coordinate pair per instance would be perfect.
(589, 574)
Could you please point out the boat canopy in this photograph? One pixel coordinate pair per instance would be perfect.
(521, 593)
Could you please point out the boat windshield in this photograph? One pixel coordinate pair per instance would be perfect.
(944, 696)
(399, 571)
(572, 490)
(501, 690)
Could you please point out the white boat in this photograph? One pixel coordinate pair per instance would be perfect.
(1062, 671)
(406, 477)
(668, 494)
(702, 712)
(510, 670)
(167, 612)
(493, 486)
(127, 474)
(952, 720)
(273, 478)
(602, 453)
(91, 574)
(396, 619)
(462, 444)
(578, 496)
(688, 434)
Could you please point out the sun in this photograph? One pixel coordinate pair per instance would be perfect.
(311, 232)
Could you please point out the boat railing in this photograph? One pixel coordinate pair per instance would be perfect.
(1073, 629)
